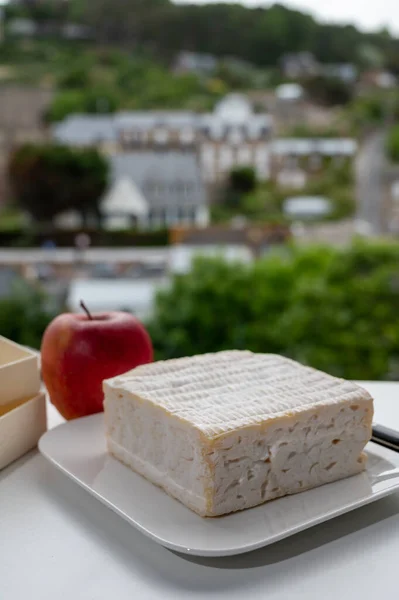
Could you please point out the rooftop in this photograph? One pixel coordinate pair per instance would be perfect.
(233, 110)
(164, 178)
(304, 146)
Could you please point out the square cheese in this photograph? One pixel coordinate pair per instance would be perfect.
(228, 431)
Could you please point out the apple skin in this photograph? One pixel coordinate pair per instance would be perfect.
(78, 353)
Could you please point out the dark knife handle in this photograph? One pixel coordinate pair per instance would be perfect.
(386, 437)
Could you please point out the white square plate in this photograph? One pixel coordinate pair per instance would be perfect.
(78, 448)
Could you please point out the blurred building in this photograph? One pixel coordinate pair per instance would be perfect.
(233, 135)
(170, 184)
(334, 233)
(290, 92)
(81, 131)
(299, 65)
(377, 79)
(289, 103)
(196, 63)
(151, 189)
(156, 129)
(296, 160)
(136, 296)
(124, 205)
(21, 120)
(20, 27)
(8, 277)
(346, 72)
(230, 136)
(307, 208)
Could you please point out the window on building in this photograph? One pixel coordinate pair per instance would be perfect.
(161, 136)
(161, 216)
(150, 186)
(160, 188)
(235, 136)
(226, 158)
(252, 132)
(187, 135)
(180, 213)
(262, 162)
(264, 132)
(192, 212)
(244, 155)
(130, 137)
(218, 131)
(179, 186)
(171, 217)
(208, 161)
(188, 188)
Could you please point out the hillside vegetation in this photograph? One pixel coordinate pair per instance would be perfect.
(258, 35)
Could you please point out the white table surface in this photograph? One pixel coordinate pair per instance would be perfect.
(57, 542)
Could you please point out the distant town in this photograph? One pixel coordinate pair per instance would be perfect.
(118, 165)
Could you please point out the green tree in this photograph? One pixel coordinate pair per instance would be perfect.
(257, 35)
(368, 110)
(241, 181)
(263, 204)
(334, 309)
(75, 77)
(93, 100)
(50, 179)
(24, 315)
(328, 91)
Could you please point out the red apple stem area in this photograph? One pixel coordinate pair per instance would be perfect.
(88, 313)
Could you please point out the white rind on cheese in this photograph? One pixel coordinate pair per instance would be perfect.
(228, 431)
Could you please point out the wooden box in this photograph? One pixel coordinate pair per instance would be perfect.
(19, 372)
(21, 428)
(22, 406)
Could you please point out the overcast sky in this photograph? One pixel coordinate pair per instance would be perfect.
(367, 14)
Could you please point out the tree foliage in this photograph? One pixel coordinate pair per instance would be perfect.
(93, 100)
(24, 315)
(259, 35)
(333, 309)
(50, 179)
(243, 196)
(328, 91)
(105, 80)
(243, 179)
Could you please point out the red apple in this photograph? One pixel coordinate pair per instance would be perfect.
(79, 351)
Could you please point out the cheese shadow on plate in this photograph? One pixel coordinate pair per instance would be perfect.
(308, 540)
(129, 544)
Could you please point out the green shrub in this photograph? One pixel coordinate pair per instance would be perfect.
(336, 310)
(93, 100)
(25, 315)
